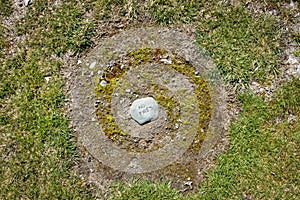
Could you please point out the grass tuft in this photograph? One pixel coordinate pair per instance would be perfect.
(57, 29)
(244, 47)
(5, 8)
(143, 190)
(173, 11)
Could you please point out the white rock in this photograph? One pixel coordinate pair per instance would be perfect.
(176, 126)
(92, 66)
(27, 2)
(47, 78)
(103, 83)
(144, 110)
(127, 90)
(166, 61)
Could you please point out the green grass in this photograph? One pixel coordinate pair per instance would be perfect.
(5, 8)
(37, 146)
(57, 29)
(159, 11)
(173, 11)
(296, 36)
(38, 149)
(144, 190)
(244, 47)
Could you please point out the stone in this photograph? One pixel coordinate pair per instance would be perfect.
(166, 61)
(27, 2)
(47, 78)
(144, 110)
(92, 66)
(103, 83)
(127, 90)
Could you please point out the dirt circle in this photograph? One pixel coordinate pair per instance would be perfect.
(170, 67)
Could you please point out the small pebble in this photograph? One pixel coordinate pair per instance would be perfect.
(27, 2)
(103, 83)
(176, 126)
(127, 90)
(47, 78)
(166, 61)
(196, 73)
(92, 66)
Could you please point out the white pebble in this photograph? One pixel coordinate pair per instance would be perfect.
(127, 90)
(103, 83)
(166, 61)
(176, 126)
(92, 66)
(47, 78)
(27, 2)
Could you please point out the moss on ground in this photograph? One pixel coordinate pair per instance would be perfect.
(112, 74)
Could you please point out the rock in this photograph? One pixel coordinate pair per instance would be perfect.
(47, 78)
(27, 2)
(127, 90)
(103, 83)
(92, 66)
(166, 61)
(144, 110)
